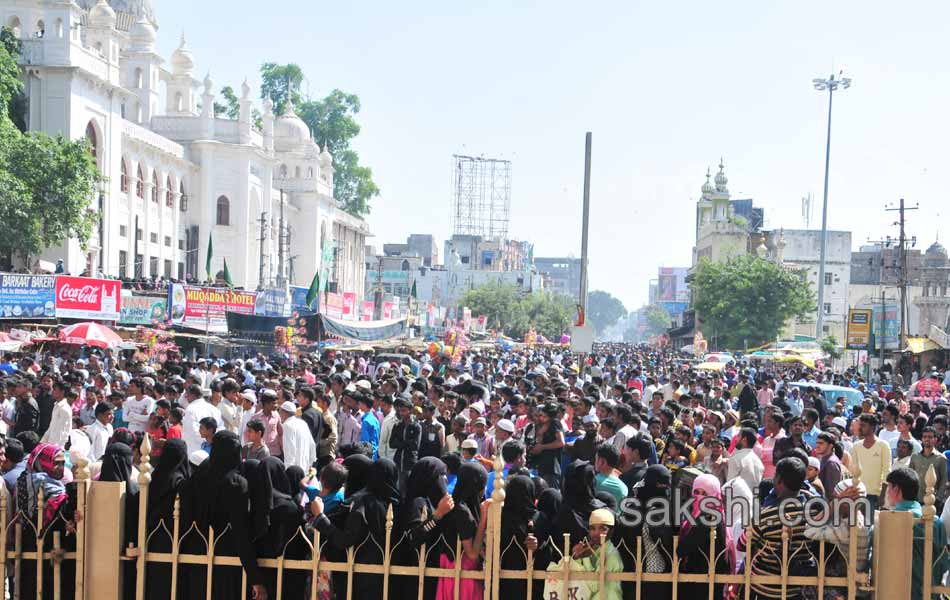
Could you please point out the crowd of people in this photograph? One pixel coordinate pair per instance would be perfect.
(268, 451)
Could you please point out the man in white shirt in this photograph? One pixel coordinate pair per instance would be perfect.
(230, 405)
(61, 420)
(198, 408)
(299, 447)
(744, 462)
(100, 432)
(386, 429)
(137, 407)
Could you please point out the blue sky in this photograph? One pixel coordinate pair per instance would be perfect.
(666, 89)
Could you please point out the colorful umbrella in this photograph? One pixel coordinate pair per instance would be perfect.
(90, 334)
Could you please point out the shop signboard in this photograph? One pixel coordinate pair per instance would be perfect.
(27, 296)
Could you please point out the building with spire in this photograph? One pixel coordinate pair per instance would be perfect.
(175, 172)
(720, 233)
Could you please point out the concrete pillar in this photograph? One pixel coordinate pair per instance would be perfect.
(105, 531)
(893, 580)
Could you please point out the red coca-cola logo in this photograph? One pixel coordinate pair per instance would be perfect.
(87, 294)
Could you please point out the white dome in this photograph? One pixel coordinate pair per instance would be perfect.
(721, 179)
(325, 157)
(142, 35)
(290, 132)
(183, 62)
(708, 186)
(101, 15)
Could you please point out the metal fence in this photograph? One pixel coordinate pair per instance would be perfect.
(61, 560)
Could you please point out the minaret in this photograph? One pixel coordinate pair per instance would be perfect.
(207, 109)
(142, 68)
(244, 118)
(180, 90)
(268, 122)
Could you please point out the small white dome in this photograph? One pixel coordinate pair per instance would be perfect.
(101, 15)
(708, 186)
(325, 157)
(290, 132)
(721, 179)
(142, 36)
(183, 62)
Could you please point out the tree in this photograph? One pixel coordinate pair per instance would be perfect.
(829, 346)
(280, 82)
(747, 300)
(514, 313)
(333, 125)
(603, 310)
(231, 107)
(657, 319)
(46, 183)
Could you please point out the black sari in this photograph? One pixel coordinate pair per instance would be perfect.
(425, 487)
(275, 521)
(170, 474)
(357, 473)
(117, 466)
(217, 496)
(365, 526)
(518, 516)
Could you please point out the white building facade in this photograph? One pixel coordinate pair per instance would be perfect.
(175, 174)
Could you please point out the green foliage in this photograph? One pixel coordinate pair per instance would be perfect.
(231, 107)
(603, 310)
(829, 346)
(46, 183)
(513, 313)
(333, 125)
(657, 319)
(280, 82)
(748, 300)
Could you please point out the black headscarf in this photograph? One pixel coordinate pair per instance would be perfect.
(549, 503)
(278, 476)
(267, 486)
(578, 501)
(518, 508)
(470, 487)
(427, 480)
(117, 466)
(381, 492)
(357, 471)
(219, 473)
(655, 484)
(172, 470)
(295, 475)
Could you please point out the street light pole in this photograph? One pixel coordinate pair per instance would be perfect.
(831, 84)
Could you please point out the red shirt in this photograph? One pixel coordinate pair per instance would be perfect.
(174, 432)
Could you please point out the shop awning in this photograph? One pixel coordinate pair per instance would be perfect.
(919, 345)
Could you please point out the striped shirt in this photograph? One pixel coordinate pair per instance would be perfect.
(766, 546)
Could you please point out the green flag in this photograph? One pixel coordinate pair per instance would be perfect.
(412, 292)
(314, 289)
(227, 274)
(208, 260)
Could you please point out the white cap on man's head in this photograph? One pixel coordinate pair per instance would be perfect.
(288, 406)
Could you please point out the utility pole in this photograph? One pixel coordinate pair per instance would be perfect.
(261, 240)
(378, 309)
(280, 244)
(831, 84)
(586, 222)
(903, 268)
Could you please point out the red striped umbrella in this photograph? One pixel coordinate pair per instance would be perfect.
(90, 334)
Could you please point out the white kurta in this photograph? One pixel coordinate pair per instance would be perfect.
(298, 445)
(99, 436)
(197, 410)
(61, 423)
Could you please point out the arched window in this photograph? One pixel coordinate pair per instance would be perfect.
(283, 171)
(137, 78)
(93, 140)
(169, 193)
(297, 172)
(59, 28)
(40, 28)
(224, 211)
(140, 183)
(14, 24)
(182, 197)
(99, 48)
(405, 265)
(124, 177)
(154, 187)
(310, 173)
(179, 102)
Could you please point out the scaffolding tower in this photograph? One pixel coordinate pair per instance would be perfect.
(481, 196)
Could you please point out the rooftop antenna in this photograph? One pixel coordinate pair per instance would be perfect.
(806, 210)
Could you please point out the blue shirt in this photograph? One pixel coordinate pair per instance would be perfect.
(7, 368)
(811, 436)
(13, 474)
(369, 430)
(332, 500)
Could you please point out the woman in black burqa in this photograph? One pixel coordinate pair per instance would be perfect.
(420, 520)
(275, 521)
(117, 466)
(578, 501)
(518, 518)
(171, 472)
(652, 496)
(357, 472)
(365, 526)
(217, 497)
(464, 528)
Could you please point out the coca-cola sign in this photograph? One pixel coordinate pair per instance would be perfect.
(87, 298)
